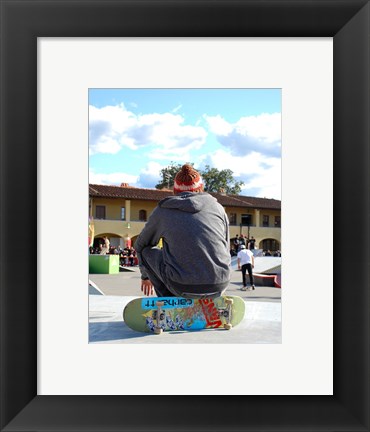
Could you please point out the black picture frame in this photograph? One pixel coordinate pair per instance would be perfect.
(347, 21)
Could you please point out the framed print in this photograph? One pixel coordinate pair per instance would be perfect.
(22, 407)
(182, 62)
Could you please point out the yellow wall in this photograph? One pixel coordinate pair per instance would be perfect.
(117, 228)
(113, 226)
(257, 215)
(239, 213)
(112, 207)
(271, 214)
(137, 205)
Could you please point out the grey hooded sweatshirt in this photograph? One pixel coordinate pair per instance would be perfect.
(195, 232)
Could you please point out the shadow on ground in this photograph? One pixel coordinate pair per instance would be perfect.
(111, 331)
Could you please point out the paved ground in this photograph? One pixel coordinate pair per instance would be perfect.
(110, 293)
(127, 283)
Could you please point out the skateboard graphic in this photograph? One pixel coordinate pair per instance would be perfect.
(158, 314)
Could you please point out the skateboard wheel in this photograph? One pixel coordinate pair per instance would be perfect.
(158, 330)
(229, 301)
(228, 326)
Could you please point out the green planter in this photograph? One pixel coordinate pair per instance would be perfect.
(104, 264)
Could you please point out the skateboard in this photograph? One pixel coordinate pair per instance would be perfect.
(158, 314)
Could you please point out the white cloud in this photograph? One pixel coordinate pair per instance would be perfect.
(218, 125)
(108, 129)
(266, 183)
(261, 175)
(260, 134)
(265, 126)
(250, 147)
(112, 179)
(114, 127)
(148, 177)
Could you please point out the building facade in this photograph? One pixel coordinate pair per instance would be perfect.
(120, 213)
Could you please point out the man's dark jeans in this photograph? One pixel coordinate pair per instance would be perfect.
(152, 259)
(248, 267)
(153, 262)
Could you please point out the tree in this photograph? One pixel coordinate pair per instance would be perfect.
(217, 181)
(214, 180)
(168, 176)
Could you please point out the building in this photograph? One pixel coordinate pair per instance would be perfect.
(120, 213)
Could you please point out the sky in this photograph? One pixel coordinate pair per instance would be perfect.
(134, 133)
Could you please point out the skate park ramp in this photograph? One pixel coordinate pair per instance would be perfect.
(94, 289)
(261, 324)
(266, 272)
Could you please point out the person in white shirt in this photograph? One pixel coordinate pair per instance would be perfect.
(105, 246)
(246, 262)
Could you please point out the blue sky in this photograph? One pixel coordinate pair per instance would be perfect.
(133, 133)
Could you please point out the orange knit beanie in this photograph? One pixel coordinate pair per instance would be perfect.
(188, 180)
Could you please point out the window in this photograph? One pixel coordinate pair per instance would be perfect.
(142, 215)
(100, 212)
(246, 219)
(232, 219)
(270, 245)
(123, 213)
(278, 221)
(266, 220)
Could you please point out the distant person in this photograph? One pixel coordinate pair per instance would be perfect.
(194, 261)
(236, 243)
(105, 246)
(122, 257)
(246, 263)
(131, 256)
(252, 242)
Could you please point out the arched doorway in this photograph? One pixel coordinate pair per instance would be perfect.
(269, 244)
(114, 240)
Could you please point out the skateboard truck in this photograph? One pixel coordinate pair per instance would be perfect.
(226, 313)
(159, 315)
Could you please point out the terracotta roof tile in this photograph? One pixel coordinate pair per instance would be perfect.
(126, 192)
(103, 191)
(267, 203)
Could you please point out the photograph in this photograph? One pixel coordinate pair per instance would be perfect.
(113, 113)
(185, 215)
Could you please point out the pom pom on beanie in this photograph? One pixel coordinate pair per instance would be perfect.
(188, 180)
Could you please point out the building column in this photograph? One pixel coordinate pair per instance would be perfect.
(257, 216)
(127, 237)
(128, 210)
(91, 209)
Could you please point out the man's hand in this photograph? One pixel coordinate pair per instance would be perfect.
(147, 287)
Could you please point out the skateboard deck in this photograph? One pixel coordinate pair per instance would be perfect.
(158, 314)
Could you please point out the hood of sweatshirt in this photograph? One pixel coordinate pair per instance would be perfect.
(188, 202)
